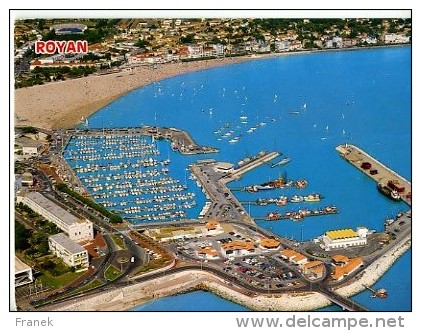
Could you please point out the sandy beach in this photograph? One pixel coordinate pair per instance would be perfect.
(62, 104)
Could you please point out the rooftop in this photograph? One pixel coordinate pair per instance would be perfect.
(269, 243)
(298, 257)
(27, 142)
(238, 245)
(346, 269)
(289, 253)
(341, 234)
(340, 258)
(53, 208)
(20, 266)
(67, 243)
(212, 225)
(208, 250)
(312, 264)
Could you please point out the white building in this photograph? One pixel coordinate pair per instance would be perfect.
(337, 42)
(23, 273)
(77, 228)
(70, 252)
(344, 238)
(29, 146)
(27, 179)
(396, 38)
(238, 248)
(281, 46)
(195, 51)
(219, 49)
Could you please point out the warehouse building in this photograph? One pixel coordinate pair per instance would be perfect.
(344, 238)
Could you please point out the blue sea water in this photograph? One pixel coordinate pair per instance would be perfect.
(303, 106)
(193, 301)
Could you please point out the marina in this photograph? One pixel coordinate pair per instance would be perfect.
(127, 174)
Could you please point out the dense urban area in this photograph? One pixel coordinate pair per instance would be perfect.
(123, 43)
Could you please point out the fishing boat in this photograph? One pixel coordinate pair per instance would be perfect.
(302, 183)
(296, 198)
(282, 201)
(380, 293)
(387, 191)
(315, 197)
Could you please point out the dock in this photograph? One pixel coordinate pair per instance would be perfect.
(180, 140)
(259, 160)
(298, 215)
(223, 204)
(377, 171)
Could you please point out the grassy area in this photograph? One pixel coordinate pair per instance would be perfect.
(154, 264)
(95, 283)
(91, 285)
(118, 241)
(59, 281)
(112, 273)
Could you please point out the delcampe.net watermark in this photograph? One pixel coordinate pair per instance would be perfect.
(309, 321)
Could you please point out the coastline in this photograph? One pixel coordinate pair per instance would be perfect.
(63, 104)
(138, 294)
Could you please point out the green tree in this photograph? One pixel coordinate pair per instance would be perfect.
(142, 43)
(187, 39)
(22, 236)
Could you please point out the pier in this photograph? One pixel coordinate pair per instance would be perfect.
(180, 140)
(298, 215)
(375, 169)
(254, 163)
(224, 205)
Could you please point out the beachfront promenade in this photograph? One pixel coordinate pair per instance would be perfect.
(377, 171)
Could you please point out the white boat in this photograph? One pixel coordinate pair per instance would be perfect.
(296, 198)
(282, 162)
